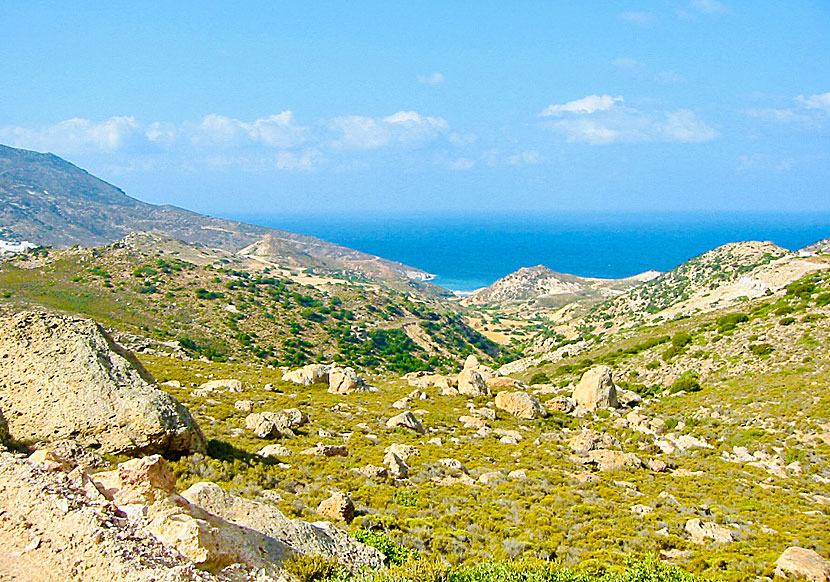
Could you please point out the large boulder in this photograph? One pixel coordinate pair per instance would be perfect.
(798, 562)
(596, 389)
(308, 375)
(471, 383)
(345, 381)
(64, 377)
(700, 531)
(520, 404)
(305, 538)
(406, 420)
(338, 507)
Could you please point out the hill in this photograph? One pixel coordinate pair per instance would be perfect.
(49, 201)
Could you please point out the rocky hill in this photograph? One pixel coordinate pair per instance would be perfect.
(540, 284)
(49, 201)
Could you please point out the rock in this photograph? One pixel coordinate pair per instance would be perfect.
(562, 404)
(403, 451)
(641, 509)
(504, 382)
(471, 363)
(345, 381)
(295, 417)
(518, 474)
(398, 469)
(513, 436)
(64, 377)
(471, 383)
(589, 439)
(491, 478)
(596, 389)
(430, 381)
(268, 425)
(700, 531)
(453, 464)
(302, 537)
(461, 479)
(308, 375)
(71, 454)
(628, 398)
(798, 562)
(520, 404)
(338, 507)
(371, 471)
(402, 403)
(657, 465)
(472, 421)
(406, 420)
(488, 413)
(243, 405)
(274, 451)
(322, 450)
(219, 386)
(4, 429)
(613, 460)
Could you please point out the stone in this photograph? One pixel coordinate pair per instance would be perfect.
(430, 381)
(472, 421)
(219, 386)
(798, 562)
(345, 381)
(488, 413)
(406, 420)
(641, 509)
(295, 417)
(607, 460)
(563, 404)
(398, 469)
(403, 451)
(504, 382)
(243, 405)
(520, 404)
(371, 471)
(471, 363)
(462, 479)
(657, 465)
(700, 531)
(268, 425)
(518, 474)
(628, 398)
(64, 377)
(491, 478)
(338, 507)
(596, 389)
(590, 439)
(322, 450)
(308, 375)
(471, 383)
(453, 464)
(274, 451)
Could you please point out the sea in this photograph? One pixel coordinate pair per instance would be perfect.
(465, 252)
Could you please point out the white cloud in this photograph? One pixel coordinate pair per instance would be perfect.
(586, 105)
(763, 163)
(462, 164)
(530, 157)
(819, 101)
(277, 131)
(408, 128)
(623, 124)
(637, 17)
(76, 135)
(435, 78)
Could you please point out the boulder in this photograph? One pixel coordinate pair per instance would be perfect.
(274, 451)
(563, 404)
(403, 451)
(322, 450)
(371, 471)
(453, 464)
(520, 404)
(471, 363)
(338, 507)
(425, 380)
(308, 375)
(243, 405)
(596, 389)
(406, 420)
(472, 421)
(798, 562)
(219, 386)
(268, 425)
(64, 377)
(398, 469)
(606, 460)
(700, 531)
(504, 382)
(471, 383)
(345, 381)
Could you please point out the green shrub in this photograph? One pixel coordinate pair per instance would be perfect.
(729, 322)
(395, 553)
(310, 568)
(761, 350)
(688, 382)
(539, 378)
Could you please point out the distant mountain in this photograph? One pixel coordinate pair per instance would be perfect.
(49, 201)
(821, 247)
(541, 284)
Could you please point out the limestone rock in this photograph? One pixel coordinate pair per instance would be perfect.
(563, 404)
(590, 439)
(268, 425)
(308, 375)
(596, 389)
(398, 469)
(300, 536)
(243, 405)
(453, 464)
(520, 404)
(607, 460)
(491, 478)
(4, 429)
(471, 363)
(471, 383)
(64, 377)
(427, 380)
(322, 450)
(338, 507)
(700, 531)
(219, 386)
(345, 381)
(403, 451)
(406, 420)
(274, 451)
(472, 421)
(798, 562)
(504, 382)
(371, 471)
(628, 398)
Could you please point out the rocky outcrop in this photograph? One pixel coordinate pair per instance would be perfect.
(64, 377)
(471, 383)
(520, 404)
(338, 507)
(308, 375)
(345, 381)
(406, 420)
(700, 531)
(798, 562)
(596, 390)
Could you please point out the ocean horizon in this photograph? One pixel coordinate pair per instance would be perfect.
(466, 252)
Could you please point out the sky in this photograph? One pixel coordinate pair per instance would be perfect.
(340, 107)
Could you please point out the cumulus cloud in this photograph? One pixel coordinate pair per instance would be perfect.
(807, 112)
(76, 135)
(600, 120)
(819, 101)
(435, 78)
(407, 128)
(587, 105)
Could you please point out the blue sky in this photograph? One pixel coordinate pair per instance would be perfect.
(279, 107)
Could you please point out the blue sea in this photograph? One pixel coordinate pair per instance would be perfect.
(466, 252)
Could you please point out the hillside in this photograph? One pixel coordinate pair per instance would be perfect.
(51, 202)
